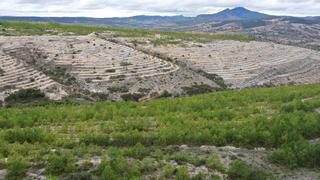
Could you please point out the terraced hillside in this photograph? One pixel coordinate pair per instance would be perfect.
(16, 75)
(140, 64)
(90, 63)
(248, 64)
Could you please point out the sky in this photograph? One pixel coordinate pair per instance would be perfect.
(125, 8)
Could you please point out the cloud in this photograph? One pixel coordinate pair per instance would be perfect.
(121, 8)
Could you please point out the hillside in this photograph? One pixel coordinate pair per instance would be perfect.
(275, 131)
(89, 63)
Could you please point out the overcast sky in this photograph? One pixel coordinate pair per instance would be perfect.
(123, 8)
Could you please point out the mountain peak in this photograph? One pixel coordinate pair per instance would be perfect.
(238, 13)
(239, 9)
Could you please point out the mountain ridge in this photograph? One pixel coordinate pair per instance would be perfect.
(238, 13)
(176, 23)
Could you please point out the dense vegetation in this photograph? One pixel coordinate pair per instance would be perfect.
(25, 28)
(49, 136)
(26, 97)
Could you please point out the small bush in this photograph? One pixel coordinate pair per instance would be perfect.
(167, 171)
(132, 97)
(297, 154)
(108, 173)
(110, 70)
(60, 163)
(117, 168)
(17, 169)
(29, 135)
(184, 157)
(239, 170)
(199, 176)
(213, 162)
(138, 151)
(25, 94)
(182, 174)
(165, 94)
(198, 89)
(148, 165)
(5, 124)
(4, 149)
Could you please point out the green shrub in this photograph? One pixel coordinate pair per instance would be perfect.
(4, 149)
(132, 97)
(240, 170)
(110, 70)
(215, 177)
(60, 75)
(16, 169)
(297, 154)
(29, 135)
(117, 168)
(198, 89)
(25, 94)
(199, 176)
(109, 174)
(101, 140)
(167, 171)
(5, 124)
(182, 173)
(157, 153)
(60, 163)
(165, 94)
(185, 157)
(224, 115)
(25, 97)
(148, 165)
(213, 162)
(138, 151)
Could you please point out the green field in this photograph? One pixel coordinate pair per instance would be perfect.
(26, 29)
(283, 118)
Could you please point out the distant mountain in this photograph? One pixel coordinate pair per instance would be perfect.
(238, 13)
(237, 17)
(156, 22)
(313, 18)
